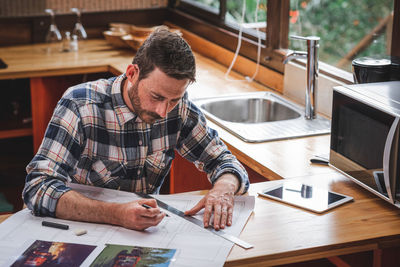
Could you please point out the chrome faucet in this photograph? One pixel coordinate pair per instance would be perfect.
(312, 71)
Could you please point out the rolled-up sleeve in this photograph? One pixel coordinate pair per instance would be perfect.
(201, 145)
(55, 160)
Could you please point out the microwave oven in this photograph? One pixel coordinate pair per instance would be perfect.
(365, 141)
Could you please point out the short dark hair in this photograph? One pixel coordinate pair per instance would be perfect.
(167, 51)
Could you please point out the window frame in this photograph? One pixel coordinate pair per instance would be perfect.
(274, 46)
(214, 18)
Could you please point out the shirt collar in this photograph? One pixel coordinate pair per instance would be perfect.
(124, 114)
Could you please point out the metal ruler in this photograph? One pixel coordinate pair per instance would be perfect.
(197, 222)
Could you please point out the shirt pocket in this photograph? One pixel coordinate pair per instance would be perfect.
(107, 173)
(157, 167)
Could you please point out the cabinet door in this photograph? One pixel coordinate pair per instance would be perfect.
(185, 177)
(45, 93)
(15, 108)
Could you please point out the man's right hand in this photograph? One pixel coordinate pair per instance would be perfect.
(134, 216)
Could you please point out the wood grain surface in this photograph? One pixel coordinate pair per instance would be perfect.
(283, 234)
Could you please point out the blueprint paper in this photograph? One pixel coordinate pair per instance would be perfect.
(195, 246)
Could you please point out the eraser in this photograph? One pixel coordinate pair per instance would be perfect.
(80, 231)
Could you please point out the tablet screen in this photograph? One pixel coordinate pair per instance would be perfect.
(305, 196)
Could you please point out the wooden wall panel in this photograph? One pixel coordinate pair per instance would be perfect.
(15, 8)
(33, 29)
(15, 33)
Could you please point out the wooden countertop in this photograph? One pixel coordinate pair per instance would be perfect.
(28, 61)
(283, 234)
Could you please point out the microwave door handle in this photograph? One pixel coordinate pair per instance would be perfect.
(386, 159)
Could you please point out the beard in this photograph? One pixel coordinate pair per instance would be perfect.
(145, 115)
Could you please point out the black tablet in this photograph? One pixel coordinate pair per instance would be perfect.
(305, 196)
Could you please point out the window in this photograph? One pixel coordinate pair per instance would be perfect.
(228, 14)
(252, 14)
(348, 28)
(210, 5)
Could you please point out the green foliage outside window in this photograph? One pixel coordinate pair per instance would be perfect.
(341, 25)
(234, 11)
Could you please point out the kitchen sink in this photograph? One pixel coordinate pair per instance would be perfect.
(250, 110)
(261, 116)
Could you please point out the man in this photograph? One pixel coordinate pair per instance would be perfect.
(121, 133)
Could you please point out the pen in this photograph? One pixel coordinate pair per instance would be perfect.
(146, 206)
(55, 225)
(149, 207)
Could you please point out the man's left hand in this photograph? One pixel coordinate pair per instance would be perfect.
(218, 201)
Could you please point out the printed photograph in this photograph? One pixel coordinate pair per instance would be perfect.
(45, 254)
(119, 255)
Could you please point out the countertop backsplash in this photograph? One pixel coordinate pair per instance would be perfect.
(294, 87)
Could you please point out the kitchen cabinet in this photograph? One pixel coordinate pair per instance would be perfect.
(185, 177)
(45, 93)
(26, 107)
(15, 141)
(15, 108)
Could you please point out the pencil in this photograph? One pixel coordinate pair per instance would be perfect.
(149, 207)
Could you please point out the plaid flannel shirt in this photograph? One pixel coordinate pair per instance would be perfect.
(94, 139)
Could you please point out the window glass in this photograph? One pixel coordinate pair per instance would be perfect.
(234, 11)
(251, 19)
(348, 28)
(210, 5)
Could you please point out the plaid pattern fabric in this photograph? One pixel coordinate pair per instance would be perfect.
(94, 139)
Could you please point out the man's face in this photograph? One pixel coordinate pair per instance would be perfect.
(155, 96)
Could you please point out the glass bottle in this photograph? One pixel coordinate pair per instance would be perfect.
(53, 36)
(67, 42)
(78, 30)
(74, 43)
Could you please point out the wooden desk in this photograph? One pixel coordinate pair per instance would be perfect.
(4, 217)
(284, 234)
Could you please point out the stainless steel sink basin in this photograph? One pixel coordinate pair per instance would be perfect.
(250, 110)
(261, 116)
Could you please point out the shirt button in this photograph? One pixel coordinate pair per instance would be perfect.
(140, 142)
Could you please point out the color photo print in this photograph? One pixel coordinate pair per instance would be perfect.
(119, 255)
(45, 253)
